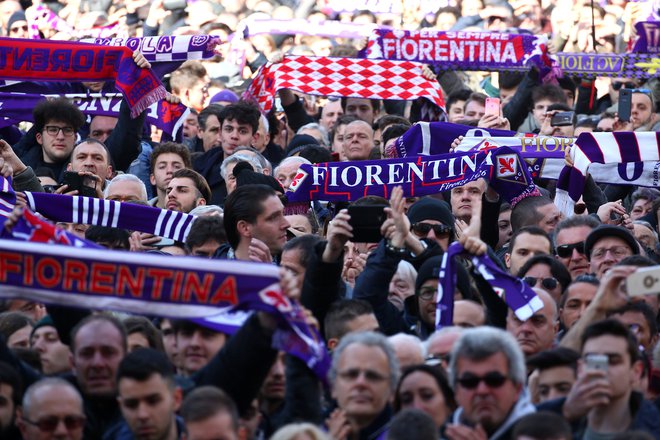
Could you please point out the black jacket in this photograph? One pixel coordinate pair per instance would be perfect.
(208, 165)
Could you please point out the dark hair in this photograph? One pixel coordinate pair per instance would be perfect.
(9, 376)
(555, 357)
(58, 109)
(636, 260)
(342, 311)
(143, 363)
(306, 245)
(105, 317)
(199, 181)
(244, 203)
(205, 402)
(562, 107)
(212, 109)
(460, 95)
(11, 322)
(510, 80)
(611, 327)
(170, 147)
(584, 278)
(115, 238)
(574, 222)
(210, 227)
(644, 309)
(478, 97)
(90, 140)
(140, 324)
(394, 131)
(437, 374)
(548, 91)
(412, 423)
(542, 425)
(243, 113)
(388, 120)
(315, 154)
(375, 105)
(365, 13)
(187, 75)
(525, 213)
(533, 230)
(557, 269)
(342, 120)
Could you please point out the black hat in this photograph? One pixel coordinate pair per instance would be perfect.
(298, 142)
(429, 208)
(245, 175)
(604, 231)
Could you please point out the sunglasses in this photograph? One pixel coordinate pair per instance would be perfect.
(566, 250)
(49, 424)
(546, 283)
(470, 381)
(423, 229)
(617, 85)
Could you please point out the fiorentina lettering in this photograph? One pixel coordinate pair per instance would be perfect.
(118, 280)
(450, 49)
(545, 144)
(58, 60)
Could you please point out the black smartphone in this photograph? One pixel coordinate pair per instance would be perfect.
(562, 119)
(85, 185)
(366, 222)
(625, 104)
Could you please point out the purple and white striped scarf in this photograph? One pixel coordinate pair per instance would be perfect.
(41, 17)
(515, 292)
(604, 148)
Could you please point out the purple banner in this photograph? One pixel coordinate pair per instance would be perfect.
(648, 37)
(629, 65)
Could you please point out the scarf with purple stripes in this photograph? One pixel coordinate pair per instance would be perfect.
(515, 292)
(604, 148)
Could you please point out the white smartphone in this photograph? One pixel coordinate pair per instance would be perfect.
(598, 362)
(644, 281)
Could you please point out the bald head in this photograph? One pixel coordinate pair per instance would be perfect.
(358, 140)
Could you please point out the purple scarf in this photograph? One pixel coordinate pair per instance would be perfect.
(515, 292)
(648, 37)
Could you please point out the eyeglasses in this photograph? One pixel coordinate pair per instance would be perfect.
(546, 283)
(470, 381)
(428, 293)
(50, 424)
(14, 30)
(617, 85)
(423, 229)
(369, 375)
(53, 130)
(566, 250)
(616, 251)
(438, 359)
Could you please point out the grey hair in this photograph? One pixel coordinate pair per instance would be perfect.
(647, 225)
(236, 158)
(482, 342)
(325, 138)
(29, 395)
(263, 162)
(202, 210)
(128, 178)
(293, 430)
(452, 329)
(370, 339)
(291, 159)
(263, 120)
(406, 339)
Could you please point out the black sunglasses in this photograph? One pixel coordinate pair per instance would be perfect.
(617, 85)
(470, 381)
(50, 424)
(423, 229)
(547, 283)
(566, 250)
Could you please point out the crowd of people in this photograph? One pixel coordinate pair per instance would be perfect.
(584, 365)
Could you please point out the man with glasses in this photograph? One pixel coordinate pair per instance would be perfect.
(431, 218)
(569, 243)
(487, 371)
(364, 375)
(606, 245)
(52, 409)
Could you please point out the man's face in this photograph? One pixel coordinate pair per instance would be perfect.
(362, 387)
(101, 127)
(211, 136)
(605, 124)
(148, 406)
(92, 157)
(7, 407)
(99, 348)
(191, 126)
(300, 223)
(428, 307)
(196, 96)
(504, 227)
(621, 372)
(197, 346)
(271, 225)
(291, 262)
(551, 216)
(166, 164)
(53, 402)
(169, 341)
(640, 208)
(331, 111)
(555, 382)
(126, 191)
(576, 263)
(358, 141)
(338, 141)
(234, 135)
(206, 249)
(639, 327)
(441, 239)
(486, 405)
(474, 110)
(464, 197)
(456, 113)
(286, 173)
(468, 314)
(606, 252)
(217, 427)
(644, 236)
(641, 110)
(57, 146)
(360, 108)
(540, 109)
(182, 195)
(525, 247)
(578, 297)
(538, 332)
(55, 357)
(274, 385)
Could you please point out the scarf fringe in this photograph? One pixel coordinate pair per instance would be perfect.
(147, 100)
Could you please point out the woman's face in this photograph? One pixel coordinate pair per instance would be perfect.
(420, 390)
